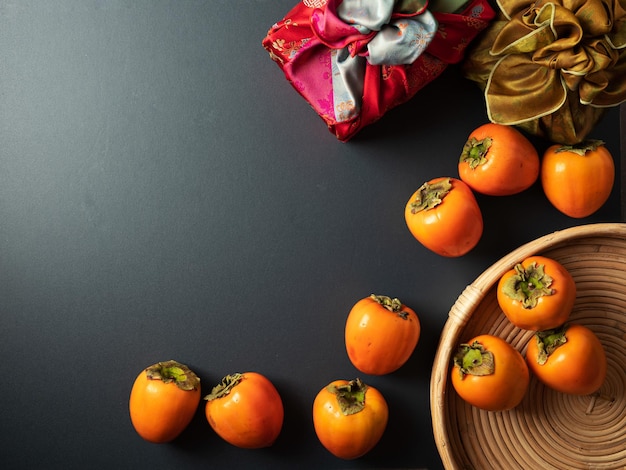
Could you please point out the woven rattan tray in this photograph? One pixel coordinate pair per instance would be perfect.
(548, 430)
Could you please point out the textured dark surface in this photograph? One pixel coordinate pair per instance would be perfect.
(165, 194)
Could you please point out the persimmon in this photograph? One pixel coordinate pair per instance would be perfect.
(163, 401)
(569, 359)
(246, 410)
(349, 418)
(537, 294)
(578, 179)
(498, 160)
(444, 216)
(490, 374)
(380, 334)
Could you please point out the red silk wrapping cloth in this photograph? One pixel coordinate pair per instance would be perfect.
(552, 67)
(353, 60)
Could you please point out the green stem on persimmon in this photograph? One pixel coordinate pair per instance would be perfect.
(549, 341)
(528, 284)
(475, 151)
(430, 195)
(350, 396)
(173, 371)
(393, 305)
(224, 387)
(474, 359)
(581, 148)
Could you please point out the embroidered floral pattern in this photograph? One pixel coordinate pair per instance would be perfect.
(344, 109)
(314, 3)
(477, 11)
(421, 41)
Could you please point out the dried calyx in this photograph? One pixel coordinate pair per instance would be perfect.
(350, 396)
(528, 285)
(581, 148)
(474, 359)
(430, 195)
(475, 151)
(393, 305)
(224, 387)
(548, 341)
(173, 371)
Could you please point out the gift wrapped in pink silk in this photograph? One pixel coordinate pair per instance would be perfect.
(353, 60)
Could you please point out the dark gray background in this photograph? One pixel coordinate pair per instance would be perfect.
(165, 194)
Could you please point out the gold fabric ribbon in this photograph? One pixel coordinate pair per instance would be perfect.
(552, 66)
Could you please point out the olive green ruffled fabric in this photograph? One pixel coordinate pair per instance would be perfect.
(552, 67)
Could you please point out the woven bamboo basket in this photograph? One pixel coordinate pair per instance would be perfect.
(548, 430)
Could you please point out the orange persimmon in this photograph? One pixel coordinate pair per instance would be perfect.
(245, 410)
(380, 334)
(498, 160)
(163, 400)
(444, 216)
(578, 179)
(490, 374)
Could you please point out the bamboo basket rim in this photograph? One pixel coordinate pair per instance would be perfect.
(461, 313)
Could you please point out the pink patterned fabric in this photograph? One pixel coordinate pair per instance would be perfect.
(353, 60)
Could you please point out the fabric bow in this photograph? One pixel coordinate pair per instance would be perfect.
(546, 50)
(369, 31)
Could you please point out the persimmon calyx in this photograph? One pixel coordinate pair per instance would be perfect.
(350, 396)
(581, 148)
(430, 195)
(474, 359)
(528, 285)
(474, 151)
(224, 387)
(549, 341)
(393, 305)
(172, 371)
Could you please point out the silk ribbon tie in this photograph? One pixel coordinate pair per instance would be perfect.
(367, 31)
